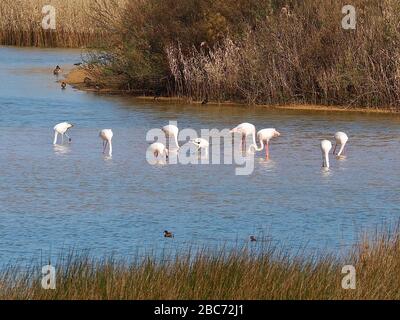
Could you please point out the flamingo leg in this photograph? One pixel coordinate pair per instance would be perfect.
(105, 147)
(62, 138)
(243, 142)
(334, 149)
(267, 151)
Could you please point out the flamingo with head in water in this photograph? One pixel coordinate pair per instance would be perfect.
(245, 129)
(62, 129)
(158, 149)
(264, 136)
(106, 135)
(341, 138)
(201, 143)
(326, 146)
(172, 131)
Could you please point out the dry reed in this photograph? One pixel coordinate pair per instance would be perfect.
(257, 53)
(76, 26)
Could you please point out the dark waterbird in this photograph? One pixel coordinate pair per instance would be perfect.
(57, 70)
(168, 234)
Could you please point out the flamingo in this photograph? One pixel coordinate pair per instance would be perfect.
(62, 129)
(201, 143)
(106, 135)
(341, 138)
(264, 136)
(245, 129)
(157, 148)
(172, 131)
(326, 146)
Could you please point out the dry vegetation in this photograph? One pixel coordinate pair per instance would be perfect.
(301, 57)
(239, 274)
(252, 51)
(20, 22)
(258, 53)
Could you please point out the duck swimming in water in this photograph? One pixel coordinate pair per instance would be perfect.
(57, 71)
(168, 234)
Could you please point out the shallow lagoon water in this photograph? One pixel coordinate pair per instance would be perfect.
(53, 199)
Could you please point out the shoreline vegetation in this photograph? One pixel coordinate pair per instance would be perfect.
(243, 273)
(76, 78)
(253, 52)
(257, 52)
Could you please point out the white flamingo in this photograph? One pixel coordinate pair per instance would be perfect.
(62, 129)
(245, 129)
(172, 131)
(341, 138)
(201, 143)
(264, 136)
(106, 135)
(159, 149)
(326, 146)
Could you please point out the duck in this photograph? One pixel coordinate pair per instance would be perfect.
(57, 70)
(168, 234)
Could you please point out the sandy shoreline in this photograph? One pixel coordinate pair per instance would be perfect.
(78, 78)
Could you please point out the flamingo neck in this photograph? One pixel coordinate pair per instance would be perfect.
(341, 149)
(254, 138)
(55, 137)
(326, 160)
(110, 148)
(176, 142)
(256, 148)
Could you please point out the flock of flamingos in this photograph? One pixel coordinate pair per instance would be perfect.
(244, 129)
(171, 131)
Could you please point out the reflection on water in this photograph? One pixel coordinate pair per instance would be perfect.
(58, 197)
(268, 165)
(326, 172)
(107, 157)
(61, 149)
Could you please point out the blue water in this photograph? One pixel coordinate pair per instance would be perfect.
(53, 199)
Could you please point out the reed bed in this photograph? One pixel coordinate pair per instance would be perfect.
(226, 274)
(259, 51)
(76, 22)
